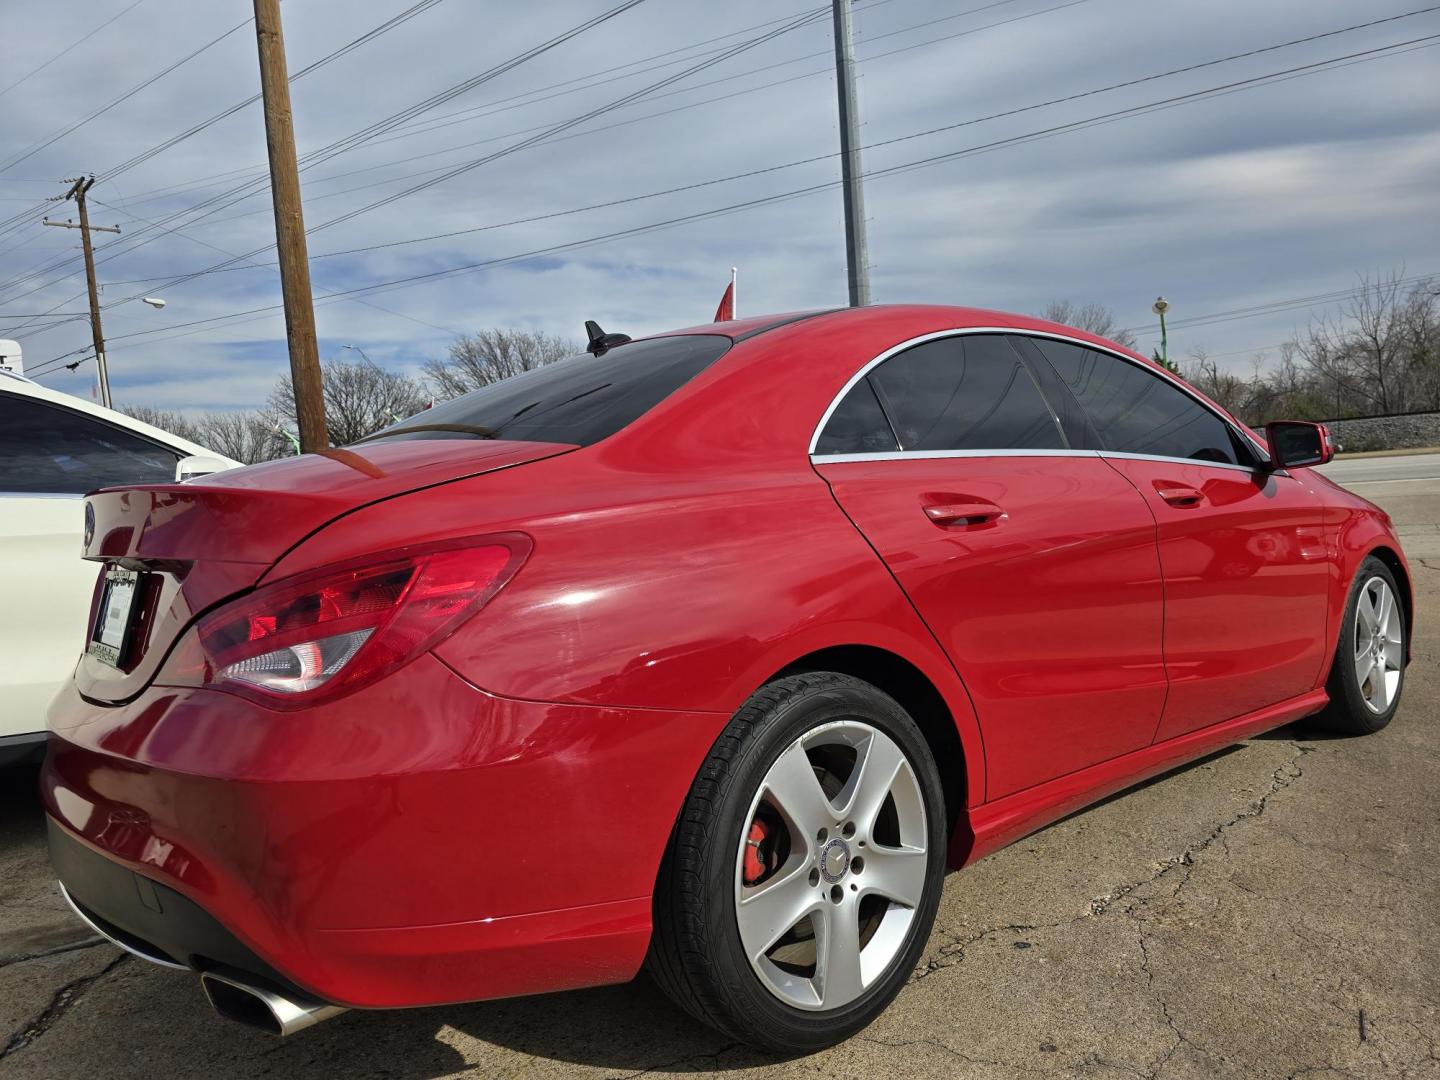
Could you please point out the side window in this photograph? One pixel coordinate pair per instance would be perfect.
(857, 426)
(1080, 433)
(1138, 412)
(45, 449)
(965, 393)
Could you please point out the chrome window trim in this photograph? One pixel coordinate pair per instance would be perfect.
(926, 455)
(1247, 469)
(42, 495)
(965, 331)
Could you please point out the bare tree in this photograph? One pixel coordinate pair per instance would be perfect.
(1225, 388)
(1096, 318)
(245, 436)
(360, 399)
(486, 357)
(176, 423)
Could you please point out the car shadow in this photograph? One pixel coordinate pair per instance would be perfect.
(1301, 731)
(631, 1028)
(621, 1030)
(1158, 778)
(627, 1028)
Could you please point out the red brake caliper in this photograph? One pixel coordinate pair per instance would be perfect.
(754, 858)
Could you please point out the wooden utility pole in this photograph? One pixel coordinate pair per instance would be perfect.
(290, 230)
(82, 185)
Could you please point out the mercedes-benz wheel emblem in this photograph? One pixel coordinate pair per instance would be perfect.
(834, 860)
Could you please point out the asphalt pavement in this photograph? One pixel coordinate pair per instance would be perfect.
(1270, 911)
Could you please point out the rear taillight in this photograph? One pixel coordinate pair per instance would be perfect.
(323, 634)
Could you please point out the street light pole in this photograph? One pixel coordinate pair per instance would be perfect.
(1161, 306)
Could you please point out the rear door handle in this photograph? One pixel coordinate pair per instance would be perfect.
(1179, 494)
(974, 512)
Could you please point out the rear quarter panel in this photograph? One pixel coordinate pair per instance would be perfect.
(657, 590)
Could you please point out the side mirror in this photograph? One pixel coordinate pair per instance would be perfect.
(1297, 444)
(188, 468)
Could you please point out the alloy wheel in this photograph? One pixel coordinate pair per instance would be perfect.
(1379, 645)
(832, 865)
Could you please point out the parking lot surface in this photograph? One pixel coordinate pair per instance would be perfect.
(1270, 911)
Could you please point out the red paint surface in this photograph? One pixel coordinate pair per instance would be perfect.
(489, 819)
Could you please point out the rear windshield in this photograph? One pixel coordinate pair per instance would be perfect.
(579, 400)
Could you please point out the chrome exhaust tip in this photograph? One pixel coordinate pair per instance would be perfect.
(260, 1008)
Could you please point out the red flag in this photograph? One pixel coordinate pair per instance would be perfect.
(726, 311)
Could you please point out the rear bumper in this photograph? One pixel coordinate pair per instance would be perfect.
(418, 843)
(149, 919)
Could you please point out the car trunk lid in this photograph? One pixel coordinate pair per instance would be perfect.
(198, 543)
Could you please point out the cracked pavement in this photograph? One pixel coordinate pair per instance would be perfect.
(1270, 911)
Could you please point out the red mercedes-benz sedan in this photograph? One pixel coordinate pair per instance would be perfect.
(708, 652)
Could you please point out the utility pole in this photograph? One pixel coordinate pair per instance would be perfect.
(857, 251)
(82, 185)
(290, 230)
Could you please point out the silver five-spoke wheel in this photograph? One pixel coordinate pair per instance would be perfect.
(1379, 644)
(831, 866)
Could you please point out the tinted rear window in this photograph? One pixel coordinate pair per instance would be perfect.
(579, 400)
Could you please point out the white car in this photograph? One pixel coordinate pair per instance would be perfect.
(53, 449)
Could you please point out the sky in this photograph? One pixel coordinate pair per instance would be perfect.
(1259, 182)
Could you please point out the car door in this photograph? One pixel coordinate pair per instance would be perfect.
(49, 457)
(1031, 560)
(1243, 548)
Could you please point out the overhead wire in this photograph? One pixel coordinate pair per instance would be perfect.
(71, 47)
(1110, 117)
(35, 148)
(561, 126)
(350, 140)
(879, 144)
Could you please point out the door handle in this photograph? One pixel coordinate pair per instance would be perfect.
(1181, 495)
(975, 512)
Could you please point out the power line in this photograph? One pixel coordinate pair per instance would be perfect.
(142, 239)
(357, 138)
(370, 35)
(1226, 88)
(68, 49)
(1271, 308)
(566, 125)
(608, 75)
(275, 269)
(524, 143)
(126, 96)
(255, 186)
(827, 156)
(827, 70)
(1104, 118)
(609, 71)
(1309, 38)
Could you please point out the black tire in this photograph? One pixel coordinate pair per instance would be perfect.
(696, 955)
(1348, 713)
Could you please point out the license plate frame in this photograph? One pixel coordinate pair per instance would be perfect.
(115, 616)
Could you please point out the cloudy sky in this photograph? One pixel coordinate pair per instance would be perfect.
(1308, 165)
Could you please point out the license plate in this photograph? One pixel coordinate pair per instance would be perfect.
(111, 632)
